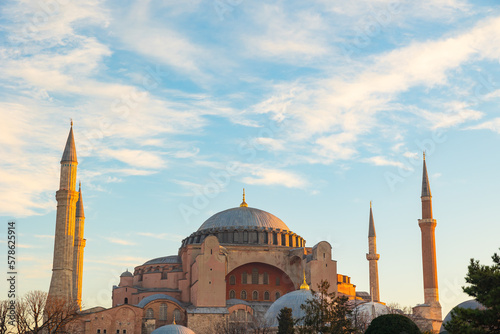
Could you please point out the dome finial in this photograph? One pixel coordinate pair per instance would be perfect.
(244, 204)
(71, 121)
(174, 321)
(304, 285)
(424, 154)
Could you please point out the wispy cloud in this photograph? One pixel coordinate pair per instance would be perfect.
(163, 236)
(273, 176)
(120, 241)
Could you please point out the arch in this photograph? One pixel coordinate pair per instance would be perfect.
(277, 295)
(267, 295)
(259, 277)
(255, 295)
(150, 314)
(177, 315)
(163, 311)
(125, 301)
(232, 280)
(243, 294)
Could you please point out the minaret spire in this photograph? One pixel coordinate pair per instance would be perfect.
(432, 308)
(373, 258)
(61, 284)
(79, 245)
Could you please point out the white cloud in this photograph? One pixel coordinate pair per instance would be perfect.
(493, 125)
(120, 241)
(272, 176)
(163, 236)
(383, 161)
(135, 158)
(270, 143)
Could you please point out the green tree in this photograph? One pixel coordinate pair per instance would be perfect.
(484, 286)
(285, 321)
(326, 313)
(392, 324)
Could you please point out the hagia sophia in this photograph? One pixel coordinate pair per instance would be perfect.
(240, 265)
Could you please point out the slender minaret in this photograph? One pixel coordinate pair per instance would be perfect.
(61, 284)
(372, 258)
(78, 249)
(427, 226)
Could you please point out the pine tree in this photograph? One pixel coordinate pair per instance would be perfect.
(484, 286)
(326, 313)
(285, 321)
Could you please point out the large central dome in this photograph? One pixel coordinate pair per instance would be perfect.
(243, 217)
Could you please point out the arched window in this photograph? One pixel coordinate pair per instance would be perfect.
(244, 279)
(232, 280)
(266, 295)
(177, 315)
(243, 295)
(150, 314)
(255, 295)
(232, 294)
(277, 295)
(278, 280)
(255, 276)
(163, 311)
(266, 278)
(125, 301)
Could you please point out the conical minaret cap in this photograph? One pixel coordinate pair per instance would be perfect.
(79, 204)
(371, 229)
(70, 149)
(426, 188)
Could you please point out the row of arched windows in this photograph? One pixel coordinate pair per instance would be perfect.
(150, 314)
(255, 295)
(255, 278)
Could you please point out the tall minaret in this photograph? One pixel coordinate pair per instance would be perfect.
(78, 249)
(61, 284)
(372, 258)
(432, 308)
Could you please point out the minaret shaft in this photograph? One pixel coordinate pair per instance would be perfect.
(427, 227)
(79, 246)
(373, 258)
(61, 284)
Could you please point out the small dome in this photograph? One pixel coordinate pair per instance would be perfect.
(469, 304)
(244, 217)
(173, 329)
(370, 310)
(126, 274)
(291, 300)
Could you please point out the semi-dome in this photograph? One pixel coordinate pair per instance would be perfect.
(243, 217)
(173, 329)
(291, 300)
(157, 296)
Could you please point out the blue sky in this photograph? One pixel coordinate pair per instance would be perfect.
(315, 108)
